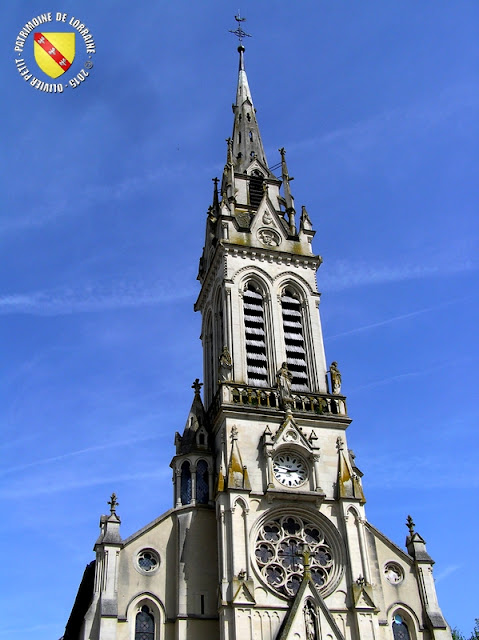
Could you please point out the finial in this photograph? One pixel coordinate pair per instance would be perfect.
(339, 443)
(239, 32)
(229, 154)
(234, 433)
(306, 554)
(361, 581)
(215, 195)
(113, 504)
(410, 525)
(197, 386)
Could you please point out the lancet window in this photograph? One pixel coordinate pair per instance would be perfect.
(255, 188)
(209, 360)
(185, 483)
(144, 625)
(256, 358)
(400, 630)
(202, 485)
(294, 340)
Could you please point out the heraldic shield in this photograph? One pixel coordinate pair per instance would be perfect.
(54, 52)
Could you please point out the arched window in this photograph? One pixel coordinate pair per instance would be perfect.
(185, 483)
(144, 625)
(400, 630)
(255, 187)
(219, 341)
(202, 485)
(209, 361)
(294, 340)
(256, 360)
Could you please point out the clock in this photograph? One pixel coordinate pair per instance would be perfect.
(290, 469)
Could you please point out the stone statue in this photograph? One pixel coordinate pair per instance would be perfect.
(225, 365)
(309, 622)
(335, 378)
(284, 378)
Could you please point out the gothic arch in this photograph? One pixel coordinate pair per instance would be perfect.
(290, 277)
(353, 512)
(219, 322)
(258, 330)
(251, 270)
(296, 289)
(241, 502)
(202, 471)
(156, 608)
(208, 346)
(409, 617)
(297, 331)
(186, 484)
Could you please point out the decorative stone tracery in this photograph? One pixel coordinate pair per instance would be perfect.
(278, 554)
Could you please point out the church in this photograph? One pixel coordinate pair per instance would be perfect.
(267, 538)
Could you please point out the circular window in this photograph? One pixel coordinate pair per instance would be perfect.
(393, 572)
(279, 554)
(148, 561)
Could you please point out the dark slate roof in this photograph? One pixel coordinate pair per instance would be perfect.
(82, 602)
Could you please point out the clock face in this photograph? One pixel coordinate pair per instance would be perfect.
(290, 469)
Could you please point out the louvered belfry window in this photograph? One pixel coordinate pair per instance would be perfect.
(255, 188)
(294, 341)
(256, 360)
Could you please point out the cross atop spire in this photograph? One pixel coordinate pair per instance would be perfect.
(197, 386)
(113, 502)
(239, 32)
(410, 525)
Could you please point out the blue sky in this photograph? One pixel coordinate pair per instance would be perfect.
(105, 191)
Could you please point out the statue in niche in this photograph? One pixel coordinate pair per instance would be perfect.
(225, 365)
(284, 379)
(310, 621)
(335, 378)
(267, 218)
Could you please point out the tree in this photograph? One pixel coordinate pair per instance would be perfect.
(457, 635)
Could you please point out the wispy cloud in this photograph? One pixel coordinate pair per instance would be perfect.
(57, 206)
(47, 486)
(425, 472)
(62, 301)
(394, 319)
(344, 275)
(448, 364)
(79, 452)
(399, 123)
(447, 572)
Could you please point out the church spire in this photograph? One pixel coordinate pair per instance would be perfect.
(247, 143)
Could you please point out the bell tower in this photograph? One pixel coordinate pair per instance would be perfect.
(296, 556)
(276, 414)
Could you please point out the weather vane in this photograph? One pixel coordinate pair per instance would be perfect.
(239, 32)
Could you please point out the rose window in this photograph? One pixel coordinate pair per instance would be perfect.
(148, 561)
(279, 554)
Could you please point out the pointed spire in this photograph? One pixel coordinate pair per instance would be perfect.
(237, 472)
(247, 143)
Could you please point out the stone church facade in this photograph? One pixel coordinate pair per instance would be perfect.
(267, 538)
